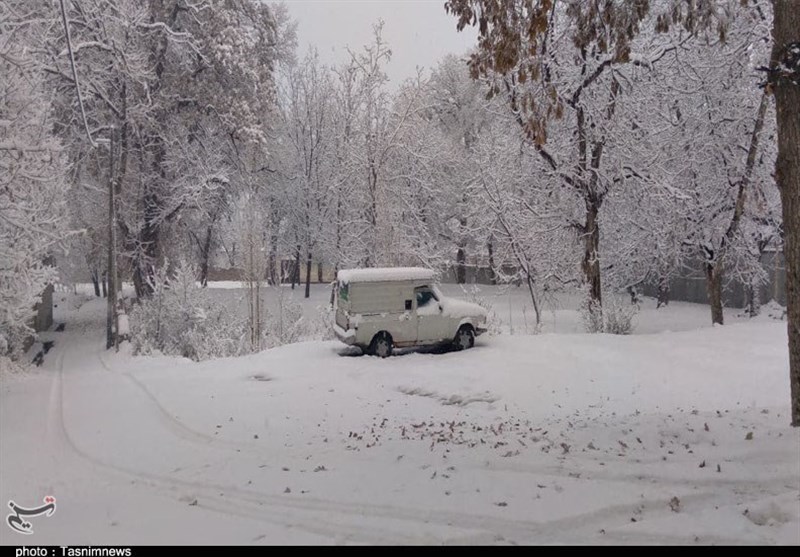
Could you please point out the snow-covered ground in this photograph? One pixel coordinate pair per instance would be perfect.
(678, 434)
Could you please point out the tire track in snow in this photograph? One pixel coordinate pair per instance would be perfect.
(172, 423)
(561, 471)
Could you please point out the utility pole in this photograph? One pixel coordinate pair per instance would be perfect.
(112, 316)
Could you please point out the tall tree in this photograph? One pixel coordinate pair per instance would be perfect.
(306, 123)
(462, 113)
(784, 81)
(33, 179)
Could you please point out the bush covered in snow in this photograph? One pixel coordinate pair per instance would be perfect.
(619, 314)
(286, 324)
(592, 316)
(319, 326)
(473, 294)
(614, 317)
(181, 319)
(774, 310)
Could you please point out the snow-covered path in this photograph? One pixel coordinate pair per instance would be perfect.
(547, 439)
(91, 438)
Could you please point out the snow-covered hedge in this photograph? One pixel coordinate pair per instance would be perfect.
(182, 319)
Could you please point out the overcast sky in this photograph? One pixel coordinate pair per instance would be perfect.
(419, 32)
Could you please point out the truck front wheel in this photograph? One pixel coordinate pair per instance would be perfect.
(465, 337)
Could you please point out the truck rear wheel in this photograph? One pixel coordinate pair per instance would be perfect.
(381, 345)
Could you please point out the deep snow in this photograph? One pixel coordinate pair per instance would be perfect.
(659, 437)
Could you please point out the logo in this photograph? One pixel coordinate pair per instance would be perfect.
(18, 524)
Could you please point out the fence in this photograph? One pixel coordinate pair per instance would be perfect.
(691, 286)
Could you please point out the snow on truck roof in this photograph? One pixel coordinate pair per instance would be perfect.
(384, 274)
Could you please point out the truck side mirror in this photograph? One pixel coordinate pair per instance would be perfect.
(408, 305)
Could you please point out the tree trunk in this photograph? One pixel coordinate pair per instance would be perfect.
(204, 255)
(663, 293)
(490, 248)
(319, 272)
(461, 256)
(308, 275)
(96, 282)
(785, 31)
(105, 284)
(591, 254)
(204, 273)
(138, 285)
(338, 235)
(149, 247)
(275, 274)
(271, 268)
(753, 303)
(296, 270)
(461, 269)
(147, 255)
(714, 288)
(532, 292)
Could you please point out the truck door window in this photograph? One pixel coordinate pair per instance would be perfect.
(425, 296)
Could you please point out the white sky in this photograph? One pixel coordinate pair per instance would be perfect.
(419, 32)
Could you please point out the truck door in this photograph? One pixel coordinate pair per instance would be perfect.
(432, 326)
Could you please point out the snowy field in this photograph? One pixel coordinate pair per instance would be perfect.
(677, 434)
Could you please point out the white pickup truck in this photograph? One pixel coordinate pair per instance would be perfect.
(382, 308)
